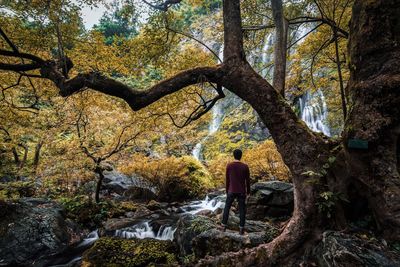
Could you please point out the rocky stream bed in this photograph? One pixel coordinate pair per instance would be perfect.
(36, 232)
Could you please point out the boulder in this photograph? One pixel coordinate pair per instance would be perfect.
(215, 242)
(154, 205)
(119, 183)
(273, 199)
(31, 229)
(251, 225)
(188, 227)
(342, 250)
(139, 193)
(110, 251)
(116, 223)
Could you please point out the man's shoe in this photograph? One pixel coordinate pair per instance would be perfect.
(222, 228)
(241, 231)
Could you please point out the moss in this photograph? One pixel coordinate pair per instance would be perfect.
(270, 234)
(201, 224)
(17, 189)
(90, 214)
(110, 251)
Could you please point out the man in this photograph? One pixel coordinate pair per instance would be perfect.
(237, 187)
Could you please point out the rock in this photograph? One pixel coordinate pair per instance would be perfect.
(31, 229)
(154, 205)
(109, 251)
(215, 242)
(116, 223)
(206, 213)
(142, 211)
(139, 193)
(116, 182)
(270, 199)
(188, 227)
(342, 250)
(250, 226)
(130, 214)
(271, 185)
(218, 193)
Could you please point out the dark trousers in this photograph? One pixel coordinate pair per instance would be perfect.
(241, 198)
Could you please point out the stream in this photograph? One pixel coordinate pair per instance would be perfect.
(145, 228)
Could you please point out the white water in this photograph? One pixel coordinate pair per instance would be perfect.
(266, 56)
(90, 239)
(314, 111)
(144, 230)
(206, 204)
(217, 117)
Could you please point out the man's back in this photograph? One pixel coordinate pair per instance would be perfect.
(237, 178)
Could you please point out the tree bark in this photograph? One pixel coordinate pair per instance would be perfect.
(25, 157)
(339, 69)
(16, 156)
(280, 47)
(37, 154)
(99, 172)
(374, 88)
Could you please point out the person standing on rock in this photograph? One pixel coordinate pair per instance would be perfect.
(237, 187)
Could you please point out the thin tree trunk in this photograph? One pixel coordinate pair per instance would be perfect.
(37, 154)
(280, 48)
(339, 69)
(16, 157)
(25, 157)
(99, 171)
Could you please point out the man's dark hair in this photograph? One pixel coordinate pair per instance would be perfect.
(237, 154)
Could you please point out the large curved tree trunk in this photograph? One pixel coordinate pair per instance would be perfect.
(374, 87)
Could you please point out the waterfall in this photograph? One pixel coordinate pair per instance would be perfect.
(313, 111)
(266, 56)
(144, 230)
(206, 204)
(217, 117)
(90, 239)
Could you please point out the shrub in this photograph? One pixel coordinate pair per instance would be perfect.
(264, 161)
(109, 251)
(90, 214)
(17, 189)
(176, 178)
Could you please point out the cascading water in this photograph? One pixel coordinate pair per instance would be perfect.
(140, 230)
(217, 117)
(144, 230)
(166, 232)
(206, 204)
(313, 111)
(313, 108)
(266, 56)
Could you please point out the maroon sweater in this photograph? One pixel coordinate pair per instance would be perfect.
(237, 178)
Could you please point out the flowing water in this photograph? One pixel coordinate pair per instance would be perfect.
(313, 111)
(217, 117)
(144, 229)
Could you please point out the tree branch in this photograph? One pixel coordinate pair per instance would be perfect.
(19, 67)
(136, 99)
(233, 35)
(197, 40)
(21, 55)
(164, 6)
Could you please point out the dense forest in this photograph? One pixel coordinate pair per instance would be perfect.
(115, 137)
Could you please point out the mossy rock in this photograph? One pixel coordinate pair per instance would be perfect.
(111, 251)
(190, 226)
(17, 189)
